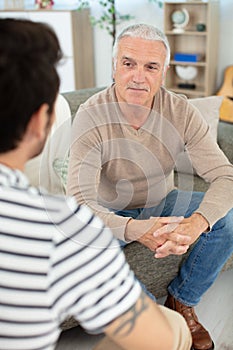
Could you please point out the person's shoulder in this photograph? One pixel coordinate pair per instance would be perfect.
(57, 206)
(78, 223)
(101, 97)
(96, 111)
(173, 106)
(172, 97)
(171, 103)
(64, 211)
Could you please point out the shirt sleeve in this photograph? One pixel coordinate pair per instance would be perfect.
(91, 279)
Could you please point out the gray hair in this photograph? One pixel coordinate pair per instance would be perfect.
(143, 31)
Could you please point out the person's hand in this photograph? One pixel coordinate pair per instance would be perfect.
(152, 242)
(178, 239)
(143, 230)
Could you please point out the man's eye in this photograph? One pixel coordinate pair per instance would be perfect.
(152, 67)
(127, 64)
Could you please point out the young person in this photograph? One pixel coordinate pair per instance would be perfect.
(57, 258)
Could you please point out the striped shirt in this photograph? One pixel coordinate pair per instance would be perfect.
(56, 260)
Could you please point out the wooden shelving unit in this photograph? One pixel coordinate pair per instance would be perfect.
(192, 41)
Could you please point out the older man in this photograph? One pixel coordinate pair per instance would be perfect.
(126, 141)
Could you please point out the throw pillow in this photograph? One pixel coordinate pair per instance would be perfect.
(60, 167)
(40, 170)
(209, 108)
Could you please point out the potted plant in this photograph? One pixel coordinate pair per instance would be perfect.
(110, 17)
(159, 2)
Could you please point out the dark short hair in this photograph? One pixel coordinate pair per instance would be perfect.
(29, 53)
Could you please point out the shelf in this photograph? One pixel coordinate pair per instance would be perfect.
(182, 63)
(192, 41)
(187, 32)
(192, 92)
(187, 2)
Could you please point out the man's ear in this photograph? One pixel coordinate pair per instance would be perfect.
(37, 126)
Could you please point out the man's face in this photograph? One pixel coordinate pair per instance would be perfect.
(139, 70)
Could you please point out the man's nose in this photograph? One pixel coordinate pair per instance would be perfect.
(139, 75)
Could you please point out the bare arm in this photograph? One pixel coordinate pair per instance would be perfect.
(148, 326)
(142, 327)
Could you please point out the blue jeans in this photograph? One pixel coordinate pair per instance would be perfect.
(208, 255)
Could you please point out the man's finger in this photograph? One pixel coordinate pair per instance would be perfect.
(166, 229)
(169, 248)
(169, 219)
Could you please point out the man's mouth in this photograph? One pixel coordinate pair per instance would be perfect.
(136, 88)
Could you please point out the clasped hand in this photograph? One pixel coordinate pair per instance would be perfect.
(173, 235)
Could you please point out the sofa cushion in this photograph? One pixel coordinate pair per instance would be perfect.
(209, 108)
(60, 166)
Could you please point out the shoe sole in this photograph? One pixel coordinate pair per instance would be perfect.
(212, 347)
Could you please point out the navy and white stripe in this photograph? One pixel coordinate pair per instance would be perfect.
(56, 260)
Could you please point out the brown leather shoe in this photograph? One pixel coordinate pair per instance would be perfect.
(200, 336)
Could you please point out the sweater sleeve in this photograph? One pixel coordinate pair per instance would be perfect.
(84, 171)
(212, 165)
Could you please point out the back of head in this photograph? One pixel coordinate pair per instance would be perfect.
(146, 32)
(29, 53)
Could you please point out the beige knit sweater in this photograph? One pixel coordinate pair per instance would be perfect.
(114, 166)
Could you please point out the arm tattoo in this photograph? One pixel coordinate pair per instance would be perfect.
(128, 320)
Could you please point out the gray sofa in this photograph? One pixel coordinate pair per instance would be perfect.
(157, 273)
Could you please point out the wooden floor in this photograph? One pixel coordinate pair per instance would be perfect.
(215, 311)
